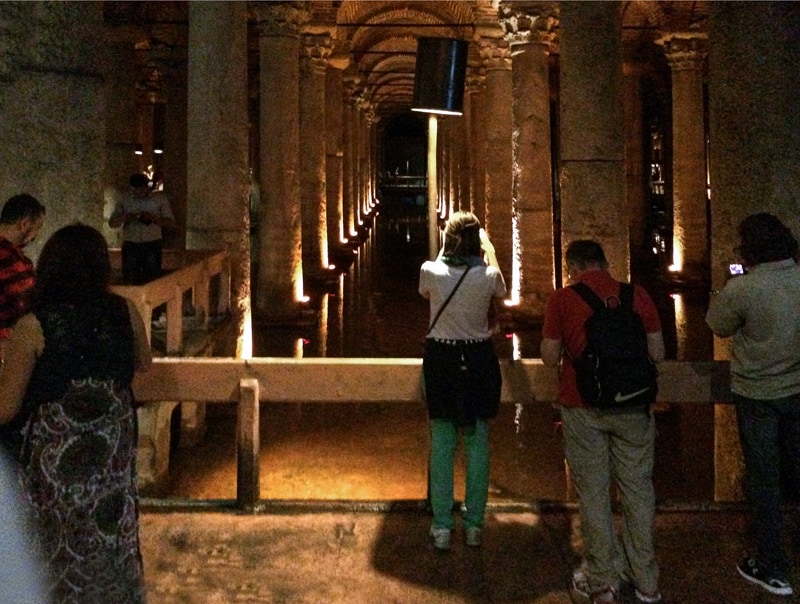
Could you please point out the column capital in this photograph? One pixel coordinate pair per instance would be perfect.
(495, 53)
(476, 79)
(685, 50)
(529, 25)
(280, 18)
(315, 50)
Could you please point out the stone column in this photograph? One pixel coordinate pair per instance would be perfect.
(531, 282)
(53, 124)
(175, 145)
(637, 201)
(496, 56)
(686, 53)
(754, 154)
(334, 115)
(475, 88)
(120, 97)
(592, 177)
(464, 149)
(445, 166)
(358, 160)
(364, 117)
(279, 287)
(348, 163)
(315, 49)
(217, 213)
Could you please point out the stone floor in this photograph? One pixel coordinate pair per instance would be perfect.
(358, 555)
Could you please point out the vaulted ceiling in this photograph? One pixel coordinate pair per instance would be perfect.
(375, 41)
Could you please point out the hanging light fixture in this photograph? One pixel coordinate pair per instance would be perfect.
(439, 77)
(137, 150)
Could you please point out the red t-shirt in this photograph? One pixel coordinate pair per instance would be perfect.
(566, 314)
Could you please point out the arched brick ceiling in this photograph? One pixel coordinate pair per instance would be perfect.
(376, 39)
(381, 38)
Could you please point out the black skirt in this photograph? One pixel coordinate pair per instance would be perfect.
(462, 380)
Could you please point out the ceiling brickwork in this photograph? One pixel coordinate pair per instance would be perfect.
(375, 41)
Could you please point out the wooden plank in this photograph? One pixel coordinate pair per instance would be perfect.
(387, 380)
(248, 443)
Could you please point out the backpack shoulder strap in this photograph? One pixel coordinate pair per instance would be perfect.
(588, 295)
(626, 295)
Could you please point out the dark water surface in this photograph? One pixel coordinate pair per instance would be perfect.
(374, 452)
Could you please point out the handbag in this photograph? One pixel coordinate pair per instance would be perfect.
(436, 318)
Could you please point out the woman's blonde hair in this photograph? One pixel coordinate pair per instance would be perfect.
(462, 235)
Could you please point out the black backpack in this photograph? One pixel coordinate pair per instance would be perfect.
(614, 370)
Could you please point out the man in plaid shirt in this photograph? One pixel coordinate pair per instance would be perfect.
(20, 220)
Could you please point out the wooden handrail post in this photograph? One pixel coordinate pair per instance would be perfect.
(248, 436)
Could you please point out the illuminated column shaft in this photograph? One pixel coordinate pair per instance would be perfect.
(348, 191)
(358, 190)
(532, 283)
(315, 50)
(477, 116)
(364, 112)
(499, 117)
(280, 271)
(463, 150)
(334, 117)
(686, 55)
(449, 202)
(217, 175)
(592, 174)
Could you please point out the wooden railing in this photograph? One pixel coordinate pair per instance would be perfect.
(185, 270)
(389, 381)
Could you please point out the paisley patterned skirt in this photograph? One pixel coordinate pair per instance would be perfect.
(79, 473)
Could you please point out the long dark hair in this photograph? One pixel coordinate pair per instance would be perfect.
(764, 238)
(462, 235)
(73, 266)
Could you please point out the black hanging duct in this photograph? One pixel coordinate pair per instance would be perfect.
(439, 76)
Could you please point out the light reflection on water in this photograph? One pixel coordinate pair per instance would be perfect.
(376, 311)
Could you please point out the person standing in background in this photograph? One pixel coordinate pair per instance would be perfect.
(21, 219)
(760, 310)
(142, 215)
(461, 371)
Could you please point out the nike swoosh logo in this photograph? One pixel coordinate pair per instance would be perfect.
(621, 398)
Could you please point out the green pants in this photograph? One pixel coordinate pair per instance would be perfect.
(444, 439)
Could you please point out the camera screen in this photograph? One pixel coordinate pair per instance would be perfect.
(736, 269)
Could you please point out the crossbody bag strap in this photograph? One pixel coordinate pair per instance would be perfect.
(441, 308)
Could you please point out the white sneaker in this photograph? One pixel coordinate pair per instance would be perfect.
(473, 536)
(441, 538)
(646, 598)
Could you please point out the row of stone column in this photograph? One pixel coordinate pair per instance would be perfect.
(317, 149)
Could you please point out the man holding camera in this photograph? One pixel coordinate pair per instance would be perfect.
(760, 311)
(142, 215)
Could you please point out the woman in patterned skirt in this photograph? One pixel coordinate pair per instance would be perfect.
(69, 368)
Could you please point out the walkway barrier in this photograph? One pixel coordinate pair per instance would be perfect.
(345, 380)
(184, 271)
(194, 288)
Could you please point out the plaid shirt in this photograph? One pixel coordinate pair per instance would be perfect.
(16, 281)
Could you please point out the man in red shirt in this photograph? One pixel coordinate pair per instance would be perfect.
(601, 445)
(20, 220)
